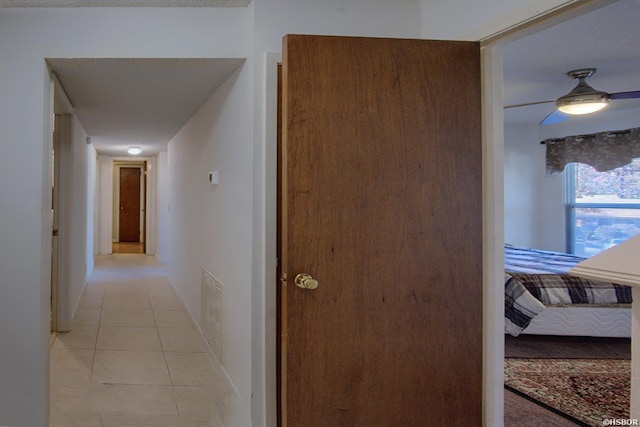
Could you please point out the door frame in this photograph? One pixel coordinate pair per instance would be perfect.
(492, 42)
(492, 39)
(117, 165)
(55, 227)
(63, 118)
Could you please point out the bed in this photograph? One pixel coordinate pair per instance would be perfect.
(541, 298)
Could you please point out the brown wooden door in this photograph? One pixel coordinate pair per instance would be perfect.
(381, 203)
(129, 227)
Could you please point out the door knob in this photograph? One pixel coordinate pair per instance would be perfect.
(305, 281)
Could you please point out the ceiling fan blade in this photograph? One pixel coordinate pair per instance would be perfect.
(526, 104)
(556, 116)
(625, 95)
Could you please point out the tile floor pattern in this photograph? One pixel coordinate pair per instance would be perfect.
(133, 358)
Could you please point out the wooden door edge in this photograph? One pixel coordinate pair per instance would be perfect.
(282, 242)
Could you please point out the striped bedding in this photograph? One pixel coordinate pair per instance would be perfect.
(535, 279)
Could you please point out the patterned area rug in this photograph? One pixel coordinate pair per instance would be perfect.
(587, 390)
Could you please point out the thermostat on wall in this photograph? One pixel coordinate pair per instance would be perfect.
(213, 177)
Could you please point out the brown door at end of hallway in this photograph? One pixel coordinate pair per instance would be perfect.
(129, 228)
(381, 203)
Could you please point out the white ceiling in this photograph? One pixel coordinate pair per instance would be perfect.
(123, 102)
(608, 39)
(124, 3)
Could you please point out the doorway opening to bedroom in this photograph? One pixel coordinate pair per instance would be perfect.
(554, 216)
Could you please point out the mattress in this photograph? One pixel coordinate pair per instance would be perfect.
(536, 279)
(614, 322)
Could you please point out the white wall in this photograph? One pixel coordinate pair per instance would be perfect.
(92, 165)
(534, 201)
(81, 219)
(210, 225)
(27, 36)
(25, 209)
(104, 206)
(521, 169)
(375, 18)
(162, 217)
(151, 208)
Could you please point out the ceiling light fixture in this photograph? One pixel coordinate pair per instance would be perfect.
(134, 150)
(583, 99)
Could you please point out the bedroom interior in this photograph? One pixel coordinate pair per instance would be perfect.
(541, 217)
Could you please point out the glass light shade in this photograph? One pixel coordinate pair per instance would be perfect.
(583, 99)
(583, 108)
(134, 150)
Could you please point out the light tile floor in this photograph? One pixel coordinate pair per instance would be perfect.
(133, 358)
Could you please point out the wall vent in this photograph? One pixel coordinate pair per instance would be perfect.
(211, 312)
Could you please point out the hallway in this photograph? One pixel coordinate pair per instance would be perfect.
(133, 357)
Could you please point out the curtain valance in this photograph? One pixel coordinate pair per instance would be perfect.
(603, 151)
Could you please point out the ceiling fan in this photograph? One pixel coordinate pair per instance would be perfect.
(583, 99)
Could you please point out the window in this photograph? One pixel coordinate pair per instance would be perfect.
(603, 208)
